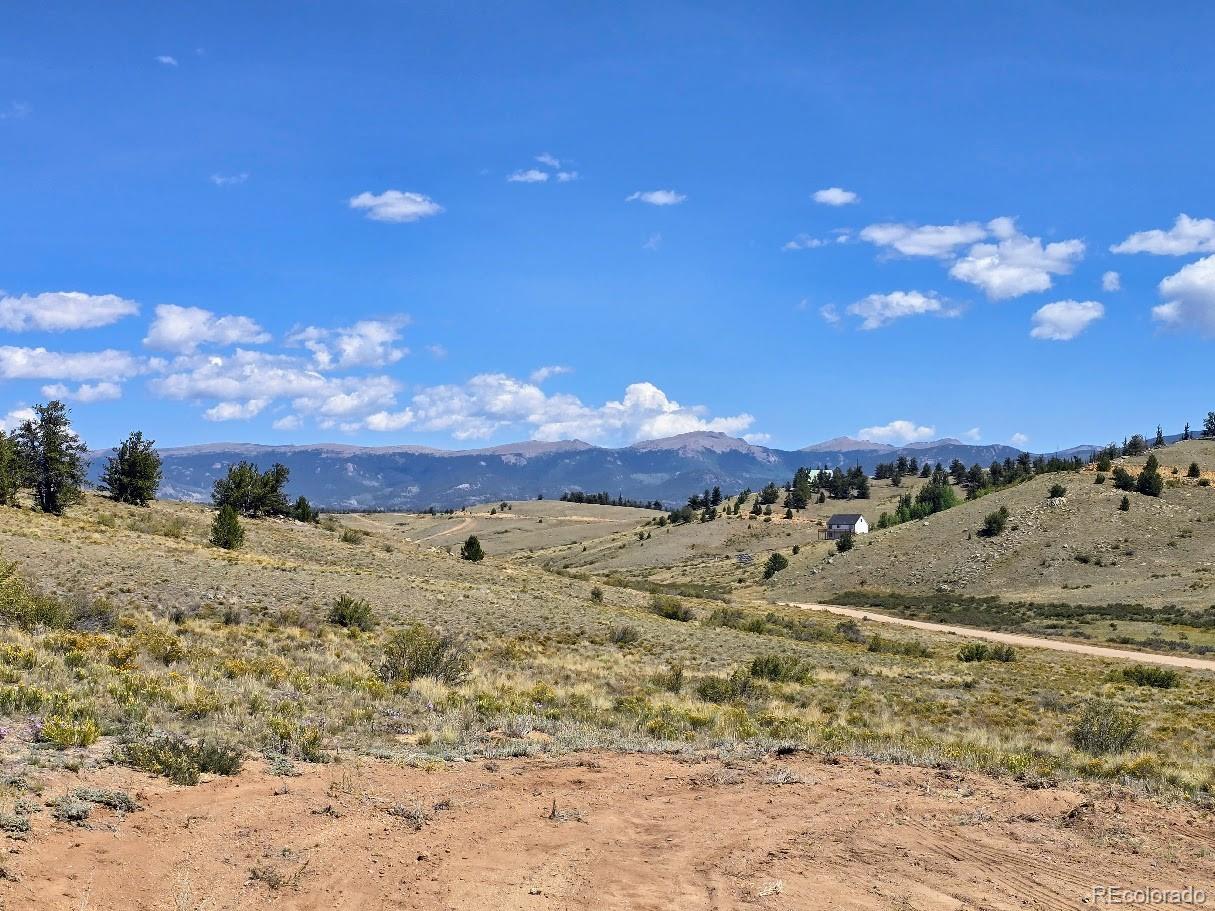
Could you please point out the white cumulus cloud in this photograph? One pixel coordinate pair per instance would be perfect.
(974, 434)
(395, 206)
(1019, 440)
(184, 329)
(1111, 281)
(367, 343)
(166, 60)
(876, 310)
(1188, 235)
(657, 197)
(16, 418)
(236, 411)
(1062, 321)
(1189, 298)
(1015, 264)
(835, 196)
(60, 311)
(896, 432)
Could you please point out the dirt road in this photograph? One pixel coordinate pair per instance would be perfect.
(1058, 645)
(600, 831)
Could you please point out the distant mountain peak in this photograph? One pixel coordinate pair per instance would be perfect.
(712, 440)
(847, 444)
(929, 444)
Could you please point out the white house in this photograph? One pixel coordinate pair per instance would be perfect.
(841, 523)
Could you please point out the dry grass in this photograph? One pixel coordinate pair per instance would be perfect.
(208, 644)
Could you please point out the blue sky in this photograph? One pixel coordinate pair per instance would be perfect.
(293, 223)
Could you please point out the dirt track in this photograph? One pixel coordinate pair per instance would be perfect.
(1058, 645)
(635, 832)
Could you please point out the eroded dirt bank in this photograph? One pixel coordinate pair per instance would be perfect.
(602, 831)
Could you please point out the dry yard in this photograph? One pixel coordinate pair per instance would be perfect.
(601, 831)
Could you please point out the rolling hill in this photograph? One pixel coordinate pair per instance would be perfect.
(339, 476)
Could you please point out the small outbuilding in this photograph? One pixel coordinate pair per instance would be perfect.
(844, 523)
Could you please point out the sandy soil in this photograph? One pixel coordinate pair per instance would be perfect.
(636, 832)
(1098, 651)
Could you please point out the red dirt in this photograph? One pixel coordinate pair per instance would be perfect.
(636, 832)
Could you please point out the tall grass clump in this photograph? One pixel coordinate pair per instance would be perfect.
(420, 652)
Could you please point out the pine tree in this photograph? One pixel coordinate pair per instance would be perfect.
(1125, 505)
(471, 550)
(10, 469)
(1159, 441)
(226, 531)
(1208, 426)
(1186, 433)
(52, 458)
(1150, 483)
(1194, 471)
(132, 474)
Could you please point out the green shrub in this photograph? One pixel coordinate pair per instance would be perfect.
(994, 523)
(351, 613)
(65, 730)
(420, 652)
(739, 685)
(981, 651)
(670, 608)
(780, 668)
(1104, 728)
(1125, 505)
(1194, 471)
(1162, 678)
(179, 759)
(624, 634)
(671, 679)
(1056, 491)
(107, 797)
(597, 594)
(845, 542)
(1100, 479)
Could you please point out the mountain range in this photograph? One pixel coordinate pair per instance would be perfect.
(338, 476)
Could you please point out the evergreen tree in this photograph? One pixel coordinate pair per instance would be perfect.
(845, 542)
(1185, 435)
(715, 497)
(1194, 471)
(1150, 483)
(775, 564)
(52, 458)
(10, 470)
(788, 513)
(1125, 505)
(1158, 443)
(303, 511)
(471, 550)
(225, 529)
(1208, 426)
(132, 474)
(252, 492)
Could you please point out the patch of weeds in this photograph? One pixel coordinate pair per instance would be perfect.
(670, 608)
(281, 765)
(180, 760)
(739, 685)
(71, 809)
(107, 797)
(420, 652)
(1104, 728)
(65, 730)
(14, 823)
(351, 613)
(981, 651)
(780, 668)
(624, 634)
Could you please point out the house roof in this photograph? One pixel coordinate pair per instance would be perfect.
(845, 518)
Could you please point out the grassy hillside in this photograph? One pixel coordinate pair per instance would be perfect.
(121, 624)
(1083, 551)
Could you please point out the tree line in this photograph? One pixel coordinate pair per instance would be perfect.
(603, 498)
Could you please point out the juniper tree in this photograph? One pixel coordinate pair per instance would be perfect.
(226, 531)
(471, 550)
(132, 475)
(1158, 443)
(51, 458)
(1194, 471)
(1150, 483)
(1208, 425)
(252, 492)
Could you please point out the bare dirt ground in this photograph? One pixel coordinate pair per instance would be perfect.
(1201, 664)
(605, 831)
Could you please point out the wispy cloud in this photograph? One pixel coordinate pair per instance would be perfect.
(876, 310)
(549, 161)
(229, 180)
(166, 60)
(15, 110)
(1111, 281)
(923, 240)
(539, 376)
(531, 175)
(84, 393)
(657, 197)
(1020, 440)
